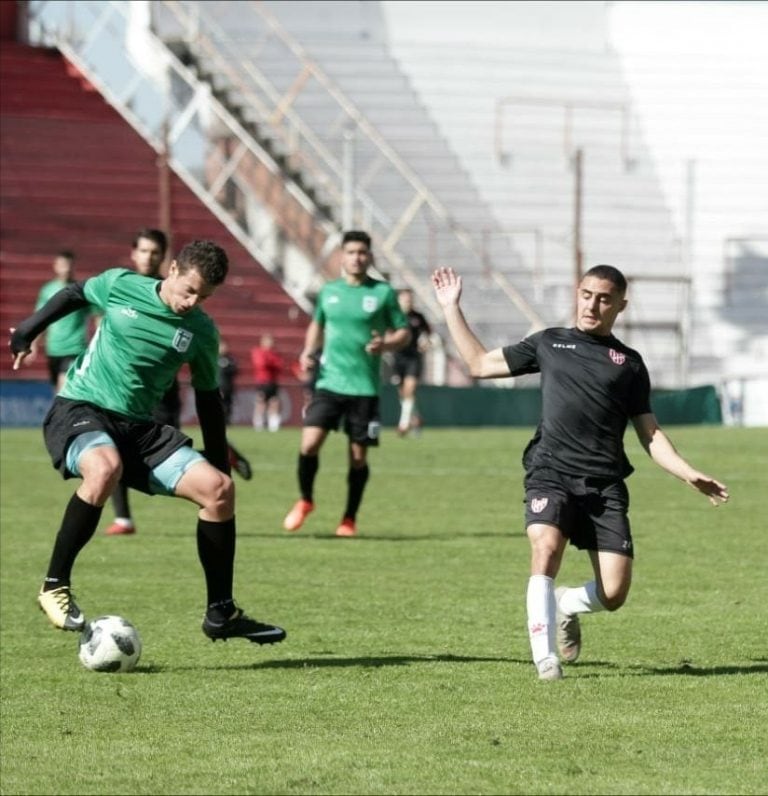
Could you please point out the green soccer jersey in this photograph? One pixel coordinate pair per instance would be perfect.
(139, 347)
(348, 315)
(68, 336)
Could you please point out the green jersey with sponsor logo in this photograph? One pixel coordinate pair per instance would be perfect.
(139, 347)
(348, 315)
(66, 337)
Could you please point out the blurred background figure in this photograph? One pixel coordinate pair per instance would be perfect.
(267, 367)
(409, 363)
(228, 370)
(65, 338)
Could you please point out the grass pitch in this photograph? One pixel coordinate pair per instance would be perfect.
(406, 668)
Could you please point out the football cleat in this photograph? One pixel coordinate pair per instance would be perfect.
(346, 528)
(296, 516)
(549, 669)
(120, 529)
(568, 631)
(61, 609)
(241, 626)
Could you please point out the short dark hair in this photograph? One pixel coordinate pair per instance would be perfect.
(358, 236)
(67, 254)
(611, 274)
(207, 258)
(155, 235)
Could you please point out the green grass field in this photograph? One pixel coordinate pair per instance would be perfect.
(406, 669)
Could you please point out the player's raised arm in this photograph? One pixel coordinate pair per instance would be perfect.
(482, 364)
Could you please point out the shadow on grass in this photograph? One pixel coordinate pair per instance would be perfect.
(685, 668)
(365, 537)
(688, 669)
(329, 536)
(368, 662)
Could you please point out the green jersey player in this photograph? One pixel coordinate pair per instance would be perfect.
(357, 318)
(100, 427)
(66, 338)
(147, 255)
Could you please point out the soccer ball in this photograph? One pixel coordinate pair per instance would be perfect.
(109, 644)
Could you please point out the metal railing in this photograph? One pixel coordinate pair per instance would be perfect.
(278, 114)
(185, 119)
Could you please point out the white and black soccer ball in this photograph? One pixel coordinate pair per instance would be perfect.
(109, 644)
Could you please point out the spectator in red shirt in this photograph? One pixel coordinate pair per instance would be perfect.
(267, 367)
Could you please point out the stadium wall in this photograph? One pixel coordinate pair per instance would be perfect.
(24, 404)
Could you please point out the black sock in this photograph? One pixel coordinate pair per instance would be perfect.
(216, 549)
(356, 480)
(77, 527)
(221, 610)
(308, 466)
(120, 501)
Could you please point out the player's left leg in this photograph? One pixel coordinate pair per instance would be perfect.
(609, 542)
(186, 474)
(357, 478)
(407, 404)
(362, 426)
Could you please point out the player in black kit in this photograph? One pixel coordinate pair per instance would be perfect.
(409, 363)
(575, 465)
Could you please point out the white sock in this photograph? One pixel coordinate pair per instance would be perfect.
(540, 604)
(406, 410)
(581, 600)
(126, 522)
(273, 422)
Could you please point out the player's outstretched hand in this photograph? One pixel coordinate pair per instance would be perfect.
(447, 285)
(19, 355)
(714, 490)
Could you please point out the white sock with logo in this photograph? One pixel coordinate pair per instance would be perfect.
(540, 605)
(581, 600)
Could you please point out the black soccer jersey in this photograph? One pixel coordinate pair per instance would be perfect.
(590, 387)
(419, 326)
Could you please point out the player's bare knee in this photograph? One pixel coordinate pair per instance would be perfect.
(613, 601)
(101, 470)
(219, 496)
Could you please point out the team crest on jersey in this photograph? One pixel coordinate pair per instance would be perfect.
(617, 356)
(538, 505)
(370, 303)
(182, 340)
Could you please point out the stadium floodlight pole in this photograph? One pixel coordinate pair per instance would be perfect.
(348, 178)
(578, 161)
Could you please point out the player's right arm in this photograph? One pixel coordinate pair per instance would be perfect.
(67, 300)
(313, 342)
(482, 364)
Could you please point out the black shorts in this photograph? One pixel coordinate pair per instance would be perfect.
(360, 413)
(267, 391)
(58, 365)
(142, 445)
(591, 512)
(408, 365)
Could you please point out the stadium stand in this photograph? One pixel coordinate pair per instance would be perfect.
(76, 175)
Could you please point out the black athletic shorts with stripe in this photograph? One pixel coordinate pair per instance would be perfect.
(359, 412)
(142, 445)
(408, 365)
(591, 512)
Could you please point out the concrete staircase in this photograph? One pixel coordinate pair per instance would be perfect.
(76, 175)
